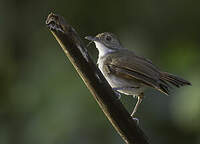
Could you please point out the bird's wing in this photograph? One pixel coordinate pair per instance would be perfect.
(138, 68)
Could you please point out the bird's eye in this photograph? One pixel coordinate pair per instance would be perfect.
(108, 38)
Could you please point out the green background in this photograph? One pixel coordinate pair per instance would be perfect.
(44, 101)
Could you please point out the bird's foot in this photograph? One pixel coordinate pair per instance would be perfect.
(117, 94)
(118, 88)
(136, 120)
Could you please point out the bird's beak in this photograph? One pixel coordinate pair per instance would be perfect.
(91, 38)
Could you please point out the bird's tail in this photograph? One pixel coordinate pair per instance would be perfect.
(175, 80)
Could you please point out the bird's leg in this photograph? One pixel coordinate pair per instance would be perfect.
(117, 93)
(118, 88)
(124, 88)
(140, 97)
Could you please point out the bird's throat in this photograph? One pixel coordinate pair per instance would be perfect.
(103, 50)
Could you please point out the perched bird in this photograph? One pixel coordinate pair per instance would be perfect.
(129, 73)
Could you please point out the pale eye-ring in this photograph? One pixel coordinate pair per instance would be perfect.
(108, 38)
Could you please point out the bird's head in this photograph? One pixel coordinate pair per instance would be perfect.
(105, 42)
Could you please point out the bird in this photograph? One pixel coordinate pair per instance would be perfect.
(128, 73)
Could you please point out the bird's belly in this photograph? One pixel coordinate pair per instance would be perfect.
(127, 87)
(124, 86)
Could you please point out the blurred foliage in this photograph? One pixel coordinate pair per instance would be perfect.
(44, 101)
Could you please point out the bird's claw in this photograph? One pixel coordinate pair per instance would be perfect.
(136, 120)
(117, 94)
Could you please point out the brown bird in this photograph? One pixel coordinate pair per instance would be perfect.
(128, 73)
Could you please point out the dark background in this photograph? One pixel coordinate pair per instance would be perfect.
(44, 101)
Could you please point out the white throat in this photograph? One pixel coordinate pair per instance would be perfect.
(103, 50)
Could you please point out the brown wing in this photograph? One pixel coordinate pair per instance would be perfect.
(138, 68)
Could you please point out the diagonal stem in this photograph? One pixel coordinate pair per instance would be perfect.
(73, 47)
